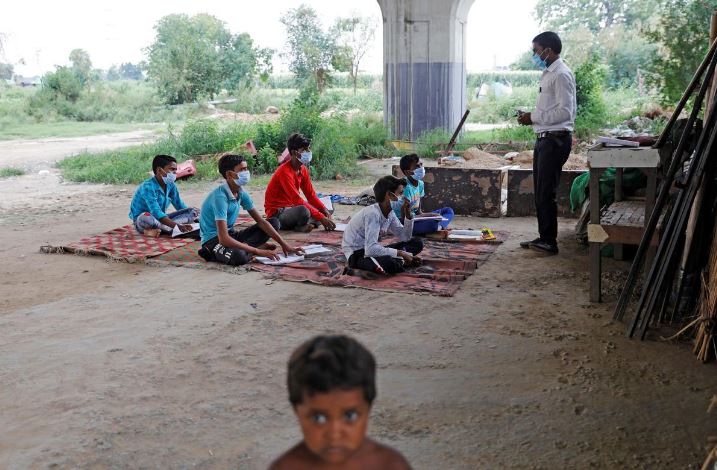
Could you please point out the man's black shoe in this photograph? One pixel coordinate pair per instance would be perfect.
(545, 247)
(526, 245)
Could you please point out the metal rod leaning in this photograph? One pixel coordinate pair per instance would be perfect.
(663, 193)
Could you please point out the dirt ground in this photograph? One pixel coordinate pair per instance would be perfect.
(114, 365)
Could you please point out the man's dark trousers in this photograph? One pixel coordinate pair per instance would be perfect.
(550, 154)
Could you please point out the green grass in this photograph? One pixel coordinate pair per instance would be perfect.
(620, 104)
(336, 147)
(8, 172)
(69, 129)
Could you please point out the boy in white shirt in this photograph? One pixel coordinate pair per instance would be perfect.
(361, 244)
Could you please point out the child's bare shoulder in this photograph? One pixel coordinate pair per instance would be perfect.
(296, 458)
(385, 457)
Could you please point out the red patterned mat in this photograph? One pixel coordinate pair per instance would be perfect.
(123, 244)
(446, 265)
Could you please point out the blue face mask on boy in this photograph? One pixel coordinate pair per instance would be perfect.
(169, 178)
(305, 158)
(243, 178)
(396, 205)
(419, 173)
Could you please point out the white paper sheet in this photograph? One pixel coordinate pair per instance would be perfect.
(176, 232)
(341, 227)
(327, 202)
(313, 250)
(282, 259)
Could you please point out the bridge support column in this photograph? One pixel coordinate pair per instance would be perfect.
(424, 72)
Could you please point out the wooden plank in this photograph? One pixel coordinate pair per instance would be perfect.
(619, 157)
(594, 251)
(617, 234)
(595, 273)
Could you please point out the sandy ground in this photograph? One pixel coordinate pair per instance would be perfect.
(39, 154)
(112, 365)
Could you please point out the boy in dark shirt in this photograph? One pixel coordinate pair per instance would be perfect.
(332, 384)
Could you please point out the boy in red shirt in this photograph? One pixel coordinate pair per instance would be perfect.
(282, 198)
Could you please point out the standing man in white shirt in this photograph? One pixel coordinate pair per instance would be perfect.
(553, 122)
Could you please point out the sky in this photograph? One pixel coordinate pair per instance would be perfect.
(43, 32)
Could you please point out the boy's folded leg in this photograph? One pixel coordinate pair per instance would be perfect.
(389, 264)
(293, 218)
(230, 256)
(413, 246)
(254, 235)
(147, 221)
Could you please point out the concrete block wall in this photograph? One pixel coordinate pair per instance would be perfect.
(467, 191)
(521, 200)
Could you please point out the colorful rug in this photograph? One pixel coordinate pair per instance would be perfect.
(121, 244)
(445, 265)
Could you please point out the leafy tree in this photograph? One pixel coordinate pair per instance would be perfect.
(627, 53)
(683, 38)
(196, 56)
(130, 71)
(6, 71)
(62, 83)
(242, 62)
(113, 73)
(81, 65)
(354, 36)
(310, 49)
(185, 60)
(595, 15)
(609, 28)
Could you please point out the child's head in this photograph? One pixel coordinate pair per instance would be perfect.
(332, 384)
(388, 187)
(163, 165)
(297, 143)
(409, 163)
(230, 165)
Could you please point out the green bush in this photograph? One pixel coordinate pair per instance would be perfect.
(269, 134)
(304, 115)
(592, 111)
(265, 161)
(430, 141)
(334, 151)
(7, 172)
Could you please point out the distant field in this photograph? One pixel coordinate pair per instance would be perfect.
(69, 129)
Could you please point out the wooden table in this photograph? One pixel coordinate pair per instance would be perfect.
(622, 222)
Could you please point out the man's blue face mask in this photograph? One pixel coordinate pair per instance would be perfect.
(539, 61)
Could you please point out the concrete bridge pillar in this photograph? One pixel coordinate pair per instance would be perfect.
(424, 74)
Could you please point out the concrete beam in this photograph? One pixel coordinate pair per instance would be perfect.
(424, 64)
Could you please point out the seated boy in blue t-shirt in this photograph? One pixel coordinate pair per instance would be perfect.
(152, 199)
(413, 170)
(220, 241)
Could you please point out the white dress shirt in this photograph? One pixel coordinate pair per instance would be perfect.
(556, 107)
(365, 228)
